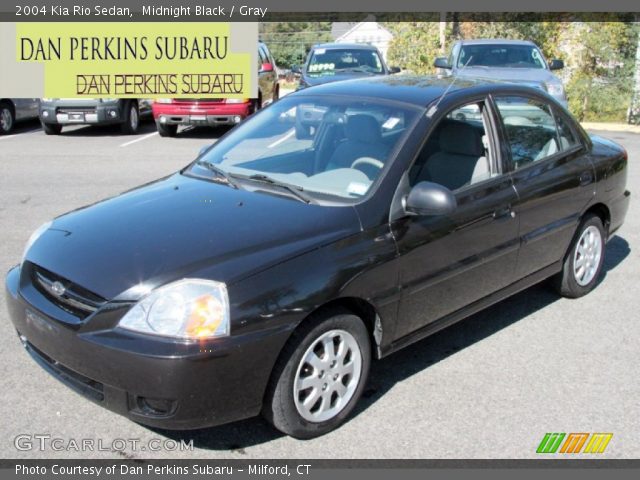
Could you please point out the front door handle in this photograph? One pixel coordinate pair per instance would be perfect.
(585, 178)
(504, 212)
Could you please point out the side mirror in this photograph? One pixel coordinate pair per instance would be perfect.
(556, 64)
(394, 70)
(266, 67)
(295, 69)
(442, 62)
(427, 198)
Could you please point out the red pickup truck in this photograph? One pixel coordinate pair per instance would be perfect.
(171, 112)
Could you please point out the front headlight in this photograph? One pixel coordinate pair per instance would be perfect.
(34, 236)
(186, 309)
(108, 99)
(164, 100)
(236, 100)
(555, 89)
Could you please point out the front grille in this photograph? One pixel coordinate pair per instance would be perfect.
(81, 384)
(76, 110)
(71, 297)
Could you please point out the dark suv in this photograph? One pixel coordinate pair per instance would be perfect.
(57, 112)
(331, 62)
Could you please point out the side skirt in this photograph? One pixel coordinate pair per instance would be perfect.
(469, 310)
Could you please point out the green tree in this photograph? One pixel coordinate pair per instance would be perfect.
(290, 42)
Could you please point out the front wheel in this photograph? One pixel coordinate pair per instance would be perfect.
(131, 119)
(583, 264)
(320, 376)
(51, 128)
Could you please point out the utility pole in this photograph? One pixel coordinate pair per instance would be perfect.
(443, 32)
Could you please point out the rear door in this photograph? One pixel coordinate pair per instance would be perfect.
(551, 173)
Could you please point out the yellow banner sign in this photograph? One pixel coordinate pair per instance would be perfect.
(137, 60)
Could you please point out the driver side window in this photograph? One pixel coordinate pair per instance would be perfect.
(457, 153)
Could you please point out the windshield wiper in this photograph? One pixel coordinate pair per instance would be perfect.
(219, 171)
(296, 190)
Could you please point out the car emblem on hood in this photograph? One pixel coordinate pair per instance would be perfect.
(58, 289)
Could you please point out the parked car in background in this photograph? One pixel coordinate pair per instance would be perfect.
(169, 113)
(311, 257)
(55, 113)
(332, 62)
(517, 61)
(13, 110)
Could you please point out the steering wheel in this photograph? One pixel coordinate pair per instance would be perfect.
(361, 162)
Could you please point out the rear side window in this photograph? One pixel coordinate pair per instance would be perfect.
(531, 130)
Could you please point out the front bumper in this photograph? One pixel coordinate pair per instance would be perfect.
(81, 114)
(218, 114)
(153, 381)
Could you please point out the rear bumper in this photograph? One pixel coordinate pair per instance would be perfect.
(152, 381)
(186, 114)
(618, 209)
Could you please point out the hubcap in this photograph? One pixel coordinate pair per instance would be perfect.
(586, 258)
(327, 376)
(5, 119)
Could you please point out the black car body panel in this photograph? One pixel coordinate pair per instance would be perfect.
(282, 259)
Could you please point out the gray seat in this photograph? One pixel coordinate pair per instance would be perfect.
(460, 160)
(363, 139)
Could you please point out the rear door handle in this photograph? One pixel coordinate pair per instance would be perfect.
(504, 212)
(585, 178)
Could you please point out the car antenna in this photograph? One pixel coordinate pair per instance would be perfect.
(434, 108)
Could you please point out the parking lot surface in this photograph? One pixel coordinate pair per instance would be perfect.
(488, 387)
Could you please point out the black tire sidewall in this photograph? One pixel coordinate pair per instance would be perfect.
(126, 125)
(167, 130)
(7, 106)
(570, 286)
(280, 408)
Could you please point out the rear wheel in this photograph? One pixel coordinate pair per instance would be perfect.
(583, 264)
(7, 118)
(167, 130)
(131, 119)
(320, 376)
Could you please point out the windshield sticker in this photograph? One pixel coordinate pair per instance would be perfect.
(389, 124)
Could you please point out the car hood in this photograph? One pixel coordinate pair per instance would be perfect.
(321, 79)
(181, 227)
(530, 76)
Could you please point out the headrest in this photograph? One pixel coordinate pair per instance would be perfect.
(363, 128)
(461, 138)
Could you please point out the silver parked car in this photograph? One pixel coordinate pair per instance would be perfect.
(516, 61)
(14, 110)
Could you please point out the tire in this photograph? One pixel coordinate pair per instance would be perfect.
(583, 263)
(276, 95)
(341, 376)
(7, 118)
(131, 123)
(51, 128)
(167, 130)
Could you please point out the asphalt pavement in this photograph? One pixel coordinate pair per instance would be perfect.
(488, 387)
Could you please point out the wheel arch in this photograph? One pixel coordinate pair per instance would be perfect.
(601, 210)
(9, 102)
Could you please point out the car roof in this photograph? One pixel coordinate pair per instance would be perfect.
(418, 90)
(341, 46)
(495, 41)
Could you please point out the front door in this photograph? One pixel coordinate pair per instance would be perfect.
(449, 262)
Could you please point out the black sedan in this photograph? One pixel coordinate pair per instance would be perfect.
(266, 275)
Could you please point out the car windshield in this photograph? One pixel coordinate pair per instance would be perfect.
(330, 61)
(499, 55)
(313, 148)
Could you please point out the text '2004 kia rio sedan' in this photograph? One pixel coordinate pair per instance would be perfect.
(266, 275)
